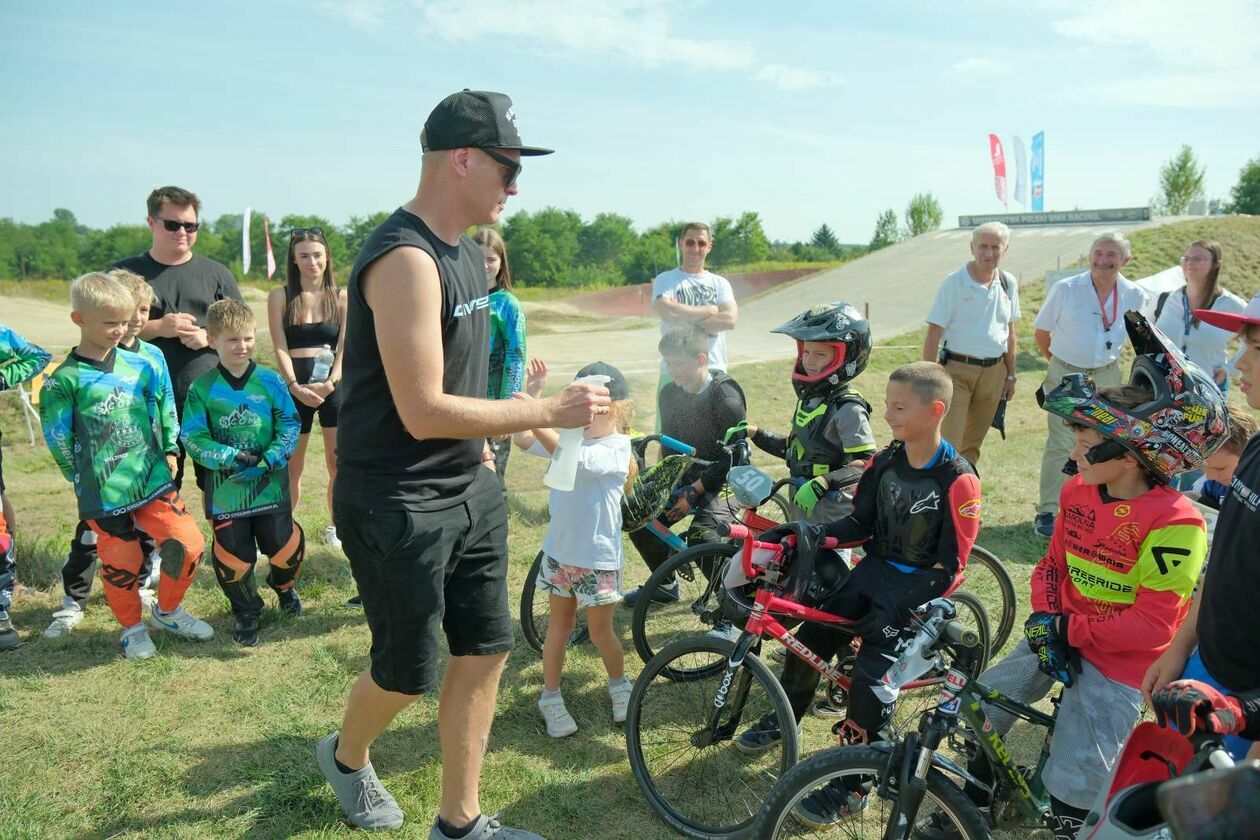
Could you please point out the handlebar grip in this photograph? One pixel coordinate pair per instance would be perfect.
(960, 634)
(677, 445)
(733, 530)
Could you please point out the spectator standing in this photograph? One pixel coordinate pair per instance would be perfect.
(507, 336)
(1201, 343)
(691, 294)
(974, 314)
(1080, 329)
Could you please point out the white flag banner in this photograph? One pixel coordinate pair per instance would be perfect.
(245, 243)
(1021, 168)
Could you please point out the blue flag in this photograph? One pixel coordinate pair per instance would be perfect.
(1039, 172)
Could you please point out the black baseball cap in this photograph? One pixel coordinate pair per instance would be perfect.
(475, 119)
(618, 387)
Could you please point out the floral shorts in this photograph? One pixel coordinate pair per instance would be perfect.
(591, 587)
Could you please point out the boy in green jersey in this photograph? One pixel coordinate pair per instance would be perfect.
(241, 425)
(109, 430)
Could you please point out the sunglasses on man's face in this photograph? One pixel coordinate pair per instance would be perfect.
(313, 231)
(696, 243)
(171, 225)
(513, 167)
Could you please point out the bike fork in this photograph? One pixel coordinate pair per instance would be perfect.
(732, 692)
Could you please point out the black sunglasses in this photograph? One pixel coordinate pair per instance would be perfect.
(513, 166)
(313, 231)
(171, 225)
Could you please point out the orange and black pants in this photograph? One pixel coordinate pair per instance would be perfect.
(236, 546)
(118, 543)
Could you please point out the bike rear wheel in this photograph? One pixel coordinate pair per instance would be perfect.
(655, 626)
(986, 578)
(692, 774)
(861, 769)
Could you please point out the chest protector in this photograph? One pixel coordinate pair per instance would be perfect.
(809, 452)
(911, 513)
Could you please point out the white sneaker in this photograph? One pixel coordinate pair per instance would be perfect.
(137, 644)
(620, 695)
(148, 598)
(330, 537)
(155, 571)
(182, 623)
(559, 722)
(64, 619)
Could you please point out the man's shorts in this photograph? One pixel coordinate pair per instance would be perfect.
(591, 587)
(423, 572)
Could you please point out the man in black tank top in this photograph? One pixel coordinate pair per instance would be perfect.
(416, 502)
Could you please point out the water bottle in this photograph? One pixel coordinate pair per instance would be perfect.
(562, 472)
(323, 365)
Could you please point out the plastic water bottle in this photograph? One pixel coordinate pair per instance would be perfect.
(562, 472)
(323, 364)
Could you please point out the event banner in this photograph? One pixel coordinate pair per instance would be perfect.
(1038, 172)
(999, 167)
(245, 242)
(1021, 167)
(1070, 217)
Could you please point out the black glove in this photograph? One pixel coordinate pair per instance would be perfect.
(1046, 633)
(889, 618)
(248, 467)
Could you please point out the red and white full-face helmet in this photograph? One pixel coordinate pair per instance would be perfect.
(843, 327)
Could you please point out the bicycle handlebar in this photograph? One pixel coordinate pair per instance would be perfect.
(749, 538)
(957, 633)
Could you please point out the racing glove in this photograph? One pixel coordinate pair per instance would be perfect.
(808, 494)
(737, 432)
(1192, 705)
(249, 467)
(1046, 633)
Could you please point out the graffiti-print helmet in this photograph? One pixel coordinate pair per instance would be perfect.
(843, 327)
(1176, 431)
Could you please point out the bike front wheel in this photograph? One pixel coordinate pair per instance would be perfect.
(681, 738)
(860, 771)
(986, 578)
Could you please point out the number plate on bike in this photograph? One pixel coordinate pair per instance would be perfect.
(750, 485)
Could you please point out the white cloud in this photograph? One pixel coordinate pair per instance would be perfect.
(360, 14)
(1181, 90)
(638, 32)
(980, 65)
(791, 77)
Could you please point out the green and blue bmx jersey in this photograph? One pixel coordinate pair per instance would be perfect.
(225, 415)
(19, 359)
(154, 355)
(109, 425)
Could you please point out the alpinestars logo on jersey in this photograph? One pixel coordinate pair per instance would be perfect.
(242, 416)
(932, 501)
(469, 307)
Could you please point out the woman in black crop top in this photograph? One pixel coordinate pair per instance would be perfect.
(306, 315)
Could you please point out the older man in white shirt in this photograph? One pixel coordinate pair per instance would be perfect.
(974, 313)
(1080, 329)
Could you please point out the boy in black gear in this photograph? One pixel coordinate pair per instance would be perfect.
(831, 439)
(918, 508)
(697, 408)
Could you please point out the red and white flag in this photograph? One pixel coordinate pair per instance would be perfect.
(271, 258)
(999, 167)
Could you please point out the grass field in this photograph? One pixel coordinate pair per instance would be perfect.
(212, 740)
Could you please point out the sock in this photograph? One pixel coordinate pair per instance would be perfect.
(617, 682)
(341, 768)
(454, 833)
(550, 695)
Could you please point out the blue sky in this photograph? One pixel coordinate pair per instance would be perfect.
(806, 112)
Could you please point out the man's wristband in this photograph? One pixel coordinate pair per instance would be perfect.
(1010, 377)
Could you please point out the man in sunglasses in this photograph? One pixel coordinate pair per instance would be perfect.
(691, 294)
(417, 502)
(184, 285)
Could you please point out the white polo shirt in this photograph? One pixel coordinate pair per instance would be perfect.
(976, 318)
(1202, 343)
(1073, 316)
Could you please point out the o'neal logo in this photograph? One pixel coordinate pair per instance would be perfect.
(970, 509)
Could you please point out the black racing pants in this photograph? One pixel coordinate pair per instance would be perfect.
(236, 546)
(80, 566)
(874, 584)
(708, 512)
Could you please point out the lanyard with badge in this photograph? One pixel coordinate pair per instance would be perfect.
(1115, 311)
(1187, 317)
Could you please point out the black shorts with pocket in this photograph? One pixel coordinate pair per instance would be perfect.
(423, 572)
(328, 410)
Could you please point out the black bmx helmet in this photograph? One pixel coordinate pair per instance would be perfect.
(842, 326)
(1176, 431)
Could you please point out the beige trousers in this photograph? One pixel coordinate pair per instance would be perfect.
(1060, 442)
(977, 392)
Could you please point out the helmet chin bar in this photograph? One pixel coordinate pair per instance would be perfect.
(1108, 450)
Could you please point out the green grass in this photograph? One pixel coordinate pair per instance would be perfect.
(211, 740)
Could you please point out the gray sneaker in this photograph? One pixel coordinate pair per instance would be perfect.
(365, 801)
(488, 828)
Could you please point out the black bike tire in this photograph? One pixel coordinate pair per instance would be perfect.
(818, 768)
(643, 607)
(534, 632)
(634, 745)
(1001, 620)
